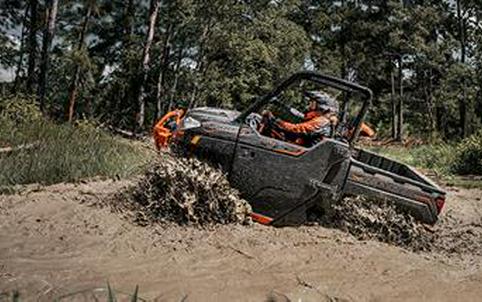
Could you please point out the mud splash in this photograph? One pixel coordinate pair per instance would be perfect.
(454, 236)
(190, 192)
(381, 221)
(182, 191)
(376, 220)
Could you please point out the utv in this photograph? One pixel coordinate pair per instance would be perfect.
(283, 180)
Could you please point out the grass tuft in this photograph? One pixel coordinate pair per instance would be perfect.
(46, 152)
(134, 296)
(438, 158)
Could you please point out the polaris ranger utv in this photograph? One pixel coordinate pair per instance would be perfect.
(283, 180)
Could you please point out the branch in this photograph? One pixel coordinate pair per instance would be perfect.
(19, 148)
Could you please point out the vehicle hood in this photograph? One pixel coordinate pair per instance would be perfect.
(204, 114)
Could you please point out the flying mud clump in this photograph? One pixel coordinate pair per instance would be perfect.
(381, 221)
(377, 220)
(183, 191)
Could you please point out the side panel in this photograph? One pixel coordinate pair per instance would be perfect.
(280, 178)
(214, 143)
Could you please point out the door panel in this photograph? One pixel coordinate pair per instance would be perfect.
(276, 176)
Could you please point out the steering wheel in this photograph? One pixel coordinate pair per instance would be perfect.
(254, 121)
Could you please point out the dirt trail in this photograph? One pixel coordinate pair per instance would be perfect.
(53, 243)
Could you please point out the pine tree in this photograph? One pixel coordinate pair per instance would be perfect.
(153, 12)
(90, 8)
(48, 35)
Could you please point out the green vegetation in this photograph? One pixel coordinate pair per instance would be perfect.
(463, 158)
(438, 158)
(45, 152)
(127, 62)
(457, 164)
(468, 156)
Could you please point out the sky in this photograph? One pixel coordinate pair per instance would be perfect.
(6, 75)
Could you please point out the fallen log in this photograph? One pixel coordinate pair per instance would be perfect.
(19, 147)
(125, 133)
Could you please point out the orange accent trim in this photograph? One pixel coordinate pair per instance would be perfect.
(162, 135)
(261, 218)
(195, 140)
(293, 153)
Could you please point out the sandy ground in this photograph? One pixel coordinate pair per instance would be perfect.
(53, 243)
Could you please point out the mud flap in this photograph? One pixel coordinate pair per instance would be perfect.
(297, 214)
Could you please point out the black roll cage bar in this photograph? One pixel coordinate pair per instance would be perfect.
(322, 79)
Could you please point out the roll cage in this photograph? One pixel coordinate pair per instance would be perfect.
(321, 79)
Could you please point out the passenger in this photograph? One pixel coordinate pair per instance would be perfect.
(318, 121)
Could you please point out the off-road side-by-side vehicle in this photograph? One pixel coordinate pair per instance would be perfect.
(283, 180)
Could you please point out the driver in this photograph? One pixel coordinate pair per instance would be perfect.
(318, 121)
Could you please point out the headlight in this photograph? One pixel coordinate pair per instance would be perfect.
(190, 123)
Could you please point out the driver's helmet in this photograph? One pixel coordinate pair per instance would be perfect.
(182, 103)
(324, 100)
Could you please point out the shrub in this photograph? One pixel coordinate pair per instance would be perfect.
(468, 156)
(435, 157)
(438, 158)
(19, 109)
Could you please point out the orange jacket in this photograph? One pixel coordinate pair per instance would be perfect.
(314, 123)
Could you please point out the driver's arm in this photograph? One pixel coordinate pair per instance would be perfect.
(307, 127)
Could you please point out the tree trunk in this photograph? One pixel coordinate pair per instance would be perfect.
(200, 62)
(162, 72)
(75, 78)
(463, 105)
(129, 19)
(431, 105)
(51, 15)
(69, 112)
(461, 26)
(32, 45)
(393, 107)
(123, 98)
(145, 62)
(176, 75)
(400, 101)
(22, 51)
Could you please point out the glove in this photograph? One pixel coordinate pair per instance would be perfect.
(267, 114)
(268, 117)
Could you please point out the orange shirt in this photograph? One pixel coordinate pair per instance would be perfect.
(313, 123)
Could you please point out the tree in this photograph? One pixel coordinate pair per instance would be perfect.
(12, 16)
(49, 31)
(90, 8)
(19, 68)
(162, 73)
(153, 12)
(225, 52)
(462, 99)
(32, 44)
